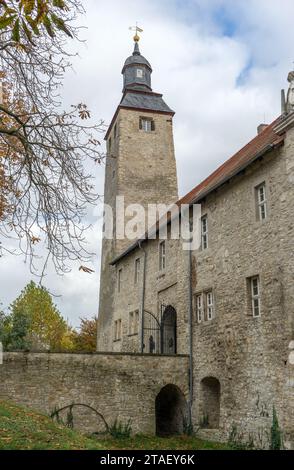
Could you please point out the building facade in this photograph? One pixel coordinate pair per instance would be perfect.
(140, 169)
(229, 304)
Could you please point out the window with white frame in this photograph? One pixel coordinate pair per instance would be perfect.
(140, 73)
(204, 232)
(117, 330)
(204, 306)
(209, 305)
(162, 255)
(255, 296)
(199, 308)
(261, 201)
(147, 124)
(137, 270)
(119, 279)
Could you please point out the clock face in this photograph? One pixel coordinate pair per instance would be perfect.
(140, 73)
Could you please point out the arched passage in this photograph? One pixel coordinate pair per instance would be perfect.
(170, 411)
(169, 331)
(210, 402)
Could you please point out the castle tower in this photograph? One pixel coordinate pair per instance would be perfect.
(140, 166)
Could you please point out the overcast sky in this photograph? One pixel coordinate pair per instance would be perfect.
(220, 65)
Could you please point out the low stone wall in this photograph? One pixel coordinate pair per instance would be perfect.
(122, 386)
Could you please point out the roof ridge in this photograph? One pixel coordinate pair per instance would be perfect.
(267, 130)
(256, 147)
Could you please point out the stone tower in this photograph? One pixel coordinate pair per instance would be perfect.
(140, 166)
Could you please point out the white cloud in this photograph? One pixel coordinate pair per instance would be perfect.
(198, 70)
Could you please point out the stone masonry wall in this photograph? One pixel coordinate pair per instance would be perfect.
(122, 386)
(247, 355)
(141, 167)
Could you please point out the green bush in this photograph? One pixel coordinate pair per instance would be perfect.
(120, 430)
(188, 428)
(276, 434)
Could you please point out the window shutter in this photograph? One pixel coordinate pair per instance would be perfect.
(140, 123)
(152, 125)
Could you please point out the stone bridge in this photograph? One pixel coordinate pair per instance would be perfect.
(150, 390)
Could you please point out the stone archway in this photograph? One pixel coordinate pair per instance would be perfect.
(169, 331)
(210, 393)
(170, 411)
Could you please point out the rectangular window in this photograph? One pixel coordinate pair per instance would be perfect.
(115, 131)
(137, 270)
(255, 296)
(204, 232)
(131, 323)
(260, 195)
(117, 330)
(119, 279)
(199, 308)
(136, 322)
(109, 144)
(204, 306)
(162, 260)
(209, 305)
(140, 73)
(147, 125)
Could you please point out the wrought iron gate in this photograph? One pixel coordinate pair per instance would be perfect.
(160, 331)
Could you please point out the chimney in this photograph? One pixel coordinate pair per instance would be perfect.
(261, 128)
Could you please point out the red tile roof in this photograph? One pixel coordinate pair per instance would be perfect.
(267, 140)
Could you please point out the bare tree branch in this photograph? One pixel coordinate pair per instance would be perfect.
(45, 189)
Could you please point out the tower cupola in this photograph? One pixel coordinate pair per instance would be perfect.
(137, 71)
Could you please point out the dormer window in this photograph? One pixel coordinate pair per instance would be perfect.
(140, 73)
(147, 124)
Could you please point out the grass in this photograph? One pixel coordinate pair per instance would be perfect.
(162, 443)
(22, 428)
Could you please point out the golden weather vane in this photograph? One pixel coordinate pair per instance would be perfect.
(137, 30)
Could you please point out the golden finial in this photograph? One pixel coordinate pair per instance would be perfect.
(137, 30)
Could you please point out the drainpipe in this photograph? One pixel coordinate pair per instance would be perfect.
(143, 297)
(190, 334)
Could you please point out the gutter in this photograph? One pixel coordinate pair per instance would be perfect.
(143, 297)
(199, 197)
(190, 340)
(241, 168)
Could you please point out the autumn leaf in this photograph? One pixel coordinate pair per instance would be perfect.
(33, 25)
(28, 33)
(60, 24)
(84, 114)
(85, 269)
(35, 240)
(28, 6)
(6, 21)
(59, 4)
(48, 25)
(16, 31)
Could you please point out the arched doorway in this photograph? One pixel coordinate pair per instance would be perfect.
(169, 331)
(170, 411)
(210, 391)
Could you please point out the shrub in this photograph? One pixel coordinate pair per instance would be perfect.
(276, 434)
(120, 430)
